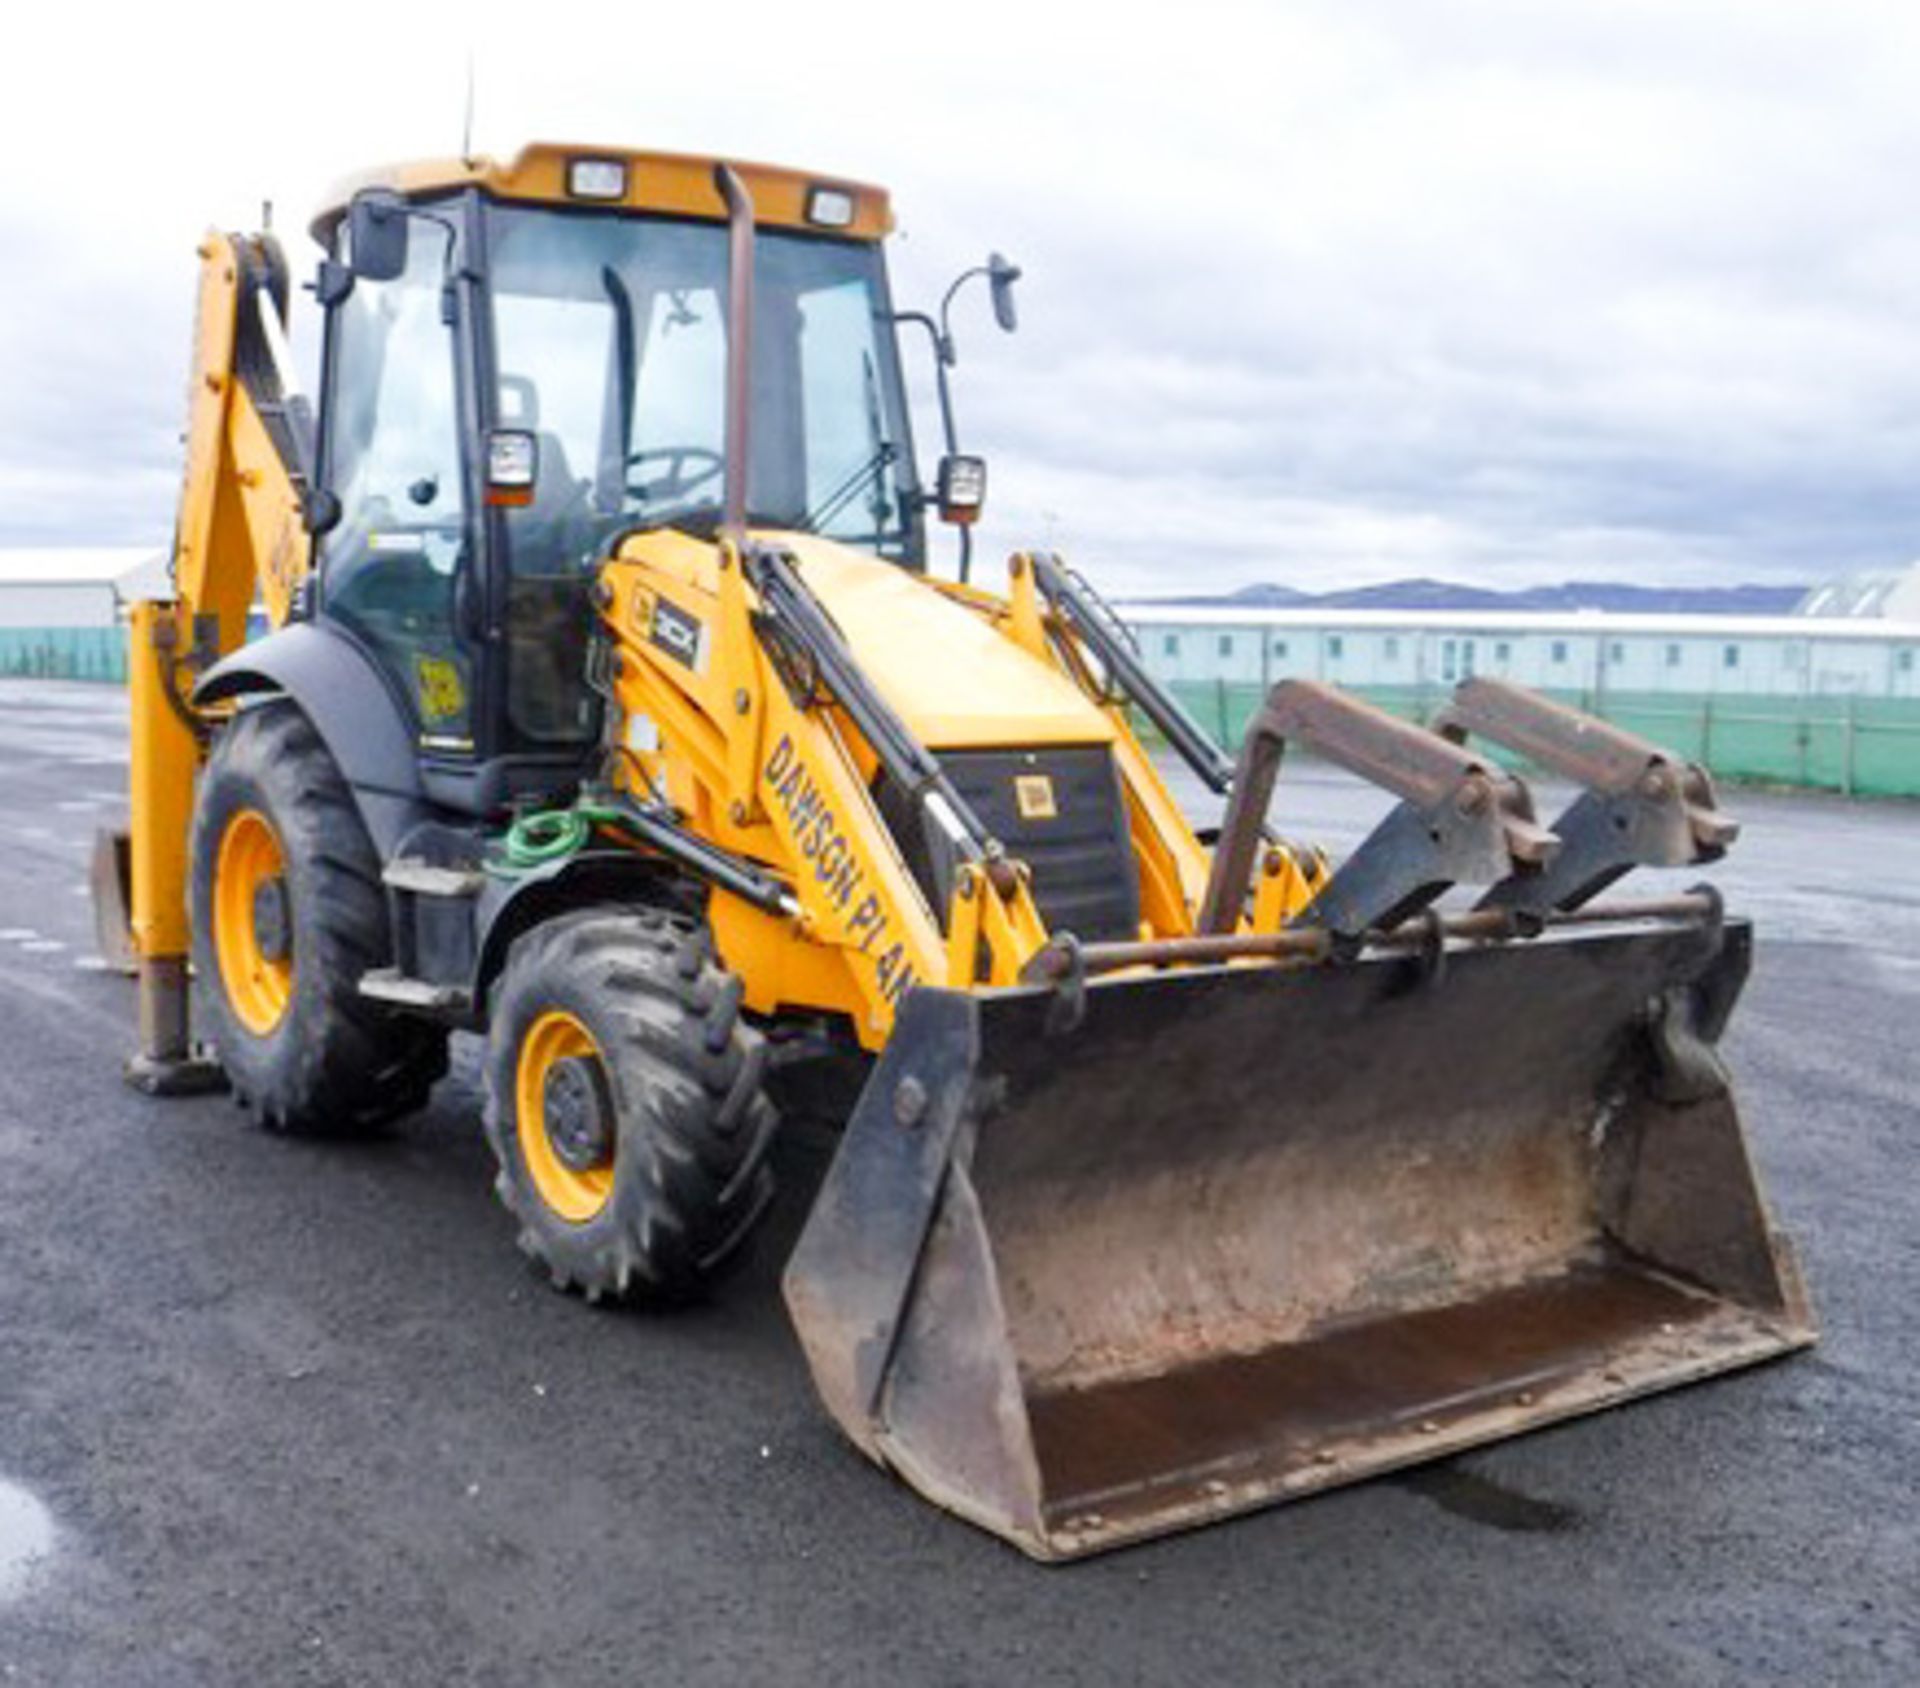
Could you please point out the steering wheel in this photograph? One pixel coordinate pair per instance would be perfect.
(686, 467)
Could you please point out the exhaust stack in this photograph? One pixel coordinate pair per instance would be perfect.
(739, 349)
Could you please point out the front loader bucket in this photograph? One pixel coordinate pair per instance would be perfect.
(1096, 1264)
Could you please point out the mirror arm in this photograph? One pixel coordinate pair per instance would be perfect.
(959, 281)
(942, 359)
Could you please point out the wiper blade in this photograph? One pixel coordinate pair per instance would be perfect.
(850, 488)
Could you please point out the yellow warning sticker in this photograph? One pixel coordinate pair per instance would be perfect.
(437, 679)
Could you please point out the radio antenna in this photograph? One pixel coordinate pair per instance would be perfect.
(466, 127)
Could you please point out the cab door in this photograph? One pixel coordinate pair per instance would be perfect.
(397, 561)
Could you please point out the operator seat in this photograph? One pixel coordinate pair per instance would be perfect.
(554, 529)
(549, 616)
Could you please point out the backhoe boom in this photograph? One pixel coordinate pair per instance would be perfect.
(240, 534)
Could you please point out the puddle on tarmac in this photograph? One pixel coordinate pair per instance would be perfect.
(26, 1536)
(1465, 1494)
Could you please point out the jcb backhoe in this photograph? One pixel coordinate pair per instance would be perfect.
(610, 710)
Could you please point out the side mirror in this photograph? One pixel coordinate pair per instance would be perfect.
(1001, 275)
(961, 488)
(377, 235)
(320, 511)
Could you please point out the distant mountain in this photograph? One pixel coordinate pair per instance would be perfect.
(1570, 596)
(1259, 597)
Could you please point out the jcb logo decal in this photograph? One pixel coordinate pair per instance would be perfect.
(667, 627)
(680, 635)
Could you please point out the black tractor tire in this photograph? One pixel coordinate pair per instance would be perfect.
(680, 1124)
(336, 1063)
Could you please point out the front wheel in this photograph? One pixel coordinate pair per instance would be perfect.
(288, 913)
(624, 1104)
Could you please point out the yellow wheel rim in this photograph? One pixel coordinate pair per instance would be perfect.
(576, 1191)
(256, 964)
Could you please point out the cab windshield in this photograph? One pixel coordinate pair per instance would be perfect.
(610, 340)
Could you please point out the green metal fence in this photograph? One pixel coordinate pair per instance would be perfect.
(1866, 746)
(1862, 746)
(64, 653)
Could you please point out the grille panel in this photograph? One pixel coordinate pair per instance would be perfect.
(1081, 855)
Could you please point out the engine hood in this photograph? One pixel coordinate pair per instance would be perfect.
(955, 680)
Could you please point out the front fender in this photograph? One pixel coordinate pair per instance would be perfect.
(339, 689)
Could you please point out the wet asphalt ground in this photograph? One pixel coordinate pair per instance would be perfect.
(286, 1413)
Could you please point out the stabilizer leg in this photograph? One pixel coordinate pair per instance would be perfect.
(168, 1062)
(165, 758)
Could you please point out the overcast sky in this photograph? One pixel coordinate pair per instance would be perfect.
(1321, 294)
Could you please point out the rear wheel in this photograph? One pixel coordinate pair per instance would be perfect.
(624, 1103)
(288, 912)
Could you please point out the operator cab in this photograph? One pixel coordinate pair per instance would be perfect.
(524, 363)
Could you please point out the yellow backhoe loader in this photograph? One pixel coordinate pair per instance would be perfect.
(610, 710)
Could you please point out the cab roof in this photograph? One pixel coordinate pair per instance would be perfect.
(672, 183)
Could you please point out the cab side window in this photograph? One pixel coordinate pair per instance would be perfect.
(388, 567)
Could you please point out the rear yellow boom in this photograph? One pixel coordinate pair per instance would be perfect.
(239, 535)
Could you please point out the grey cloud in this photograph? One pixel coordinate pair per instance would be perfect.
(1316, 293)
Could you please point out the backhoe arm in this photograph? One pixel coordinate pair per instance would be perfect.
(240, 534)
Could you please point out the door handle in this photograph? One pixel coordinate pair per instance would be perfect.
(469, 617)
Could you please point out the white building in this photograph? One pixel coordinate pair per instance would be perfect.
(1888, 594)
(1590, 653)
(62, 613)
(76, 587)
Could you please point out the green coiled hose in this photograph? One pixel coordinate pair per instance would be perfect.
(548, 835)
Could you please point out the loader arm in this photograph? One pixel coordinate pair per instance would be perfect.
(740, 710)
(240, 534)
(745, 713)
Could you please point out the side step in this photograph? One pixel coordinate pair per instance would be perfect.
(389, 984)
(431, 909)
(413, 877)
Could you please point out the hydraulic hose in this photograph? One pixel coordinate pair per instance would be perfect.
(546, 836)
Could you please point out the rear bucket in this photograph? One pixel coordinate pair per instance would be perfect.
(110, 885)
(1091, 1268)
